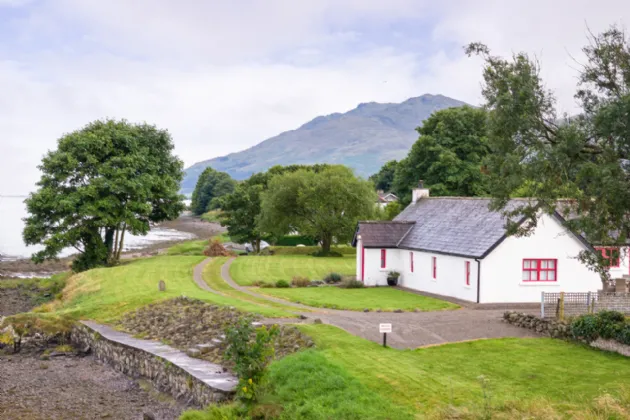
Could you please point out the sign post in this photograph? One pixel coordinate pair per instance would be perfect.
(384, 329)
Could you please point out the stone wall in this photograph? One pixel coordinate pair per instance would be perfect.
(134, 362)
(611, 345)
(549, 327)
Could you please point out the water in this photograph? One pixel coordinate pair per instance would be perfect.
(13, 210)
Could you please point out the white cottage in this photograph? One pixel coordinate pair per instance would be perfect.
(456, 246)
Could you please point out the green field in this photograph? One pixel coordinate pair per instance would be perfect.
(212, 276)
(188, 248)
(530, 373)
(247, 270)
(105, 294)
(383, 298)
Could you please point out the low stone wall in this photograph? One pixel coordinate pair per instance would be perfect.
(611, 345)
(549, 327)
(166, 376)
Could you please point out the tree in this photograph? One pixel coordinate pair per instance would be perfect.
(241, 209)
(211, 185)
(325, 204)
(384, 178)
(106, 179)
(582, 159)
(447, 156)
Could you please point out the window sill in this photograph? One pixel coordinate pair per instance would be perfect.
(467, 287)
(539, 283)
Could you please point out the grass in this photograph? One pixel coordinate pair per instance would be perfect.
(247, 270)
(188, 248)
(383, 298)
(212, 216)
(212, 276)
(105, 294)
(565, 375)
(39, 290)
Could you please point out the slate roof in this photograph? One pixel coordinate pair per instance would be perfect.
(454, 225)
(382, 234)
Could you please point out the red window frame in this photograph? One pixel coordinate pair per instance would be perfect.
(434, 263)
(607, 254)
(540, 270)
(383, 258)
(411, 261)
(467, 267)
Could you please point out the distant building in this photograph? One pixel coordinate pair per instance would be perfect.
(385, 198)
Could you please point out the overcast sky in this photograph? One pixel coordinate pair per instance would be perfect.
(225, 75)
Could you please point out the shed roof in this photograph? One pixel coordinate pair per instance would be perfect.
(382, 234)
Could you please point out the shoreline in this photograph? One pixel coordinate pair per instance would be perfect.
(187, 223)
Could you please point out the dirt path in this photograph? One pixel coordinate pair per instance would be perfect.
(75, 388)
(410, 329)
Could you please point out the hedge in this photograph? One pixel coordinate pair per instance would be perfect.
(309, 250)
(293, 240)
(609, 325)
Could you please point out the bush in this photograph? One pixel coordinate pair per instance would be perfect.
(609, 325)
(293, 240)
(267, 285)
(250, 349)
(282, 284)
(300, 281)
(332, 278)
(321, 253)
(585, 328)
(215, 412)
(351, 284)
(309, 250)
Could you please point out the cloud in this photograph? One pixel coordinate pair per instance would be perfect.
(222, 76)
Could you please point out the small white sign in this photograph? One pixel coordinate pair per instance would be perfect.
(385, 328)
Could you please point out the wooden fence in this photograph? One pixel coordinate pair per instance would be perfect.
(567, 305)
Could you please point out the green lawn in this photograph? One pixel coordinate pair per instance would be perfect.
(105, 294)
(536, 371)
(212, 276)
(188, 248)
(383, 298)
(247, 270)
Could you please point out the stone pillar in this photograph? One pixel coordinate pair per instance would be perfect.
(620, 286)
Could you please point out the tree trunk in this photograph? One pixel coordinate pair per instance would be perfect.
(257, 245)
(326, 242)
(122, 241)
(109, 241)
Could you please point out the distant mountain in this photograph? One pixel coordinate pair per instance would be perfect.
(363, 139)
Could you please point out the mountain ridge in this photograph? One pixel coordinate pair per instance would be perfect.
(363, 138)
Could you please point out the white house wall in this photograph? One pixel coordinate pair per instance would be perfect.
(374, 275)
(501, 270)
(450, 274)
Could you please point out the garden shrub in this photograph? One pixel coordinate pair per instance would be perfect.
(251, 350)
(282, 284)
(267, 285)
(351, 284)
(298, 281)
(258, 283)
(609, 325)
(332, 278)
(309, 250)
(293, 240)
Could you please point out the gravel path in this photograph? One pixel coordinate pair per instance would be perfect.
(75, 388)
(410, 329)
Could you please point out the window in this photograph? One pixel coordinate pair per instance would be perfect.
(411, 261)
(540, 270)
(434, 267)
(467, 267)
(610, 255)
(383, 258)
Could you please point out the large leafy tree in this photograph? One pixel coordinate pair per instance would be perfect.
(384, 178)
(211, 185)
(326, 204)
(447, 156)
(241, 209)
(106, 179)
(584, 158)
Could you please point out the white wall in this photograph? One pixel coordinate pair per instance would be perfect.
(501, 270)
(374, 274)
(624, 267)
(450, 275)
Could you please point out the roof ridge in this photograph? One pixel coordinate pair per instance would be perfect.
(401, 222)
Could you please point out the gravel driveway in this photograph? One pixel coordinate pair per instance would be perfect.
(410, 329)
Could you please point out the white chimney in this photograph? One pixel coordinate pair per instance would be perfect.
(419, 192)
